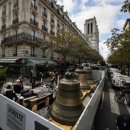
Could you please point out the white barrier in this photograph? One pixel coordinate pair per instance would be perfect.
(86, 119)
(15, 117)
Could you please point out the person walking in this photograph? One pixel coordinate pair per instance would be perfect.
(40, 76)
(33, 77)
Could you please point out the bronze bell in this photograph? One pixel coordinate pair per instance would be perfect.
(89, 73)
(67, 107)
(83, 76)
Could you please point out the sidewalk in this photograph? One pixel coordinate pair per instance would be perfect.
(110, 110)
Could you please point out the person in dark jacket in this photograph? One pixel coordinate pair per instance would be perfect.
(9, 93)
(18, 87)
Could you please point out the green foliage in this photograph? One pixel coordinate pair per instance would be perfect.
(126, 7)
(115, 40)
(3, 72)
(68, 43)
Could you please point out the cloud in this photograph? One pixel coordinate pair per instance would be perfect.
(107, 13)
(105, 19)
(69, 5)
(108, 1)
(103, 50)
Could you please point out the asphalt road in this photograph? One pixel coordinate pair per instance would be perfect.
(108, 112)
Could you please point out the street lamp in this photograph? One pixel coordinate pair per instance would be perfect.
(23, 63)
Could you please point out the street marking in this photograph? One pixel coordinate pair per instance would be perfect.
(113, 104)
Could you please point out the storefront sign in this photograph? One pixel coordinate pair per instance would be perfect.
(15, 119)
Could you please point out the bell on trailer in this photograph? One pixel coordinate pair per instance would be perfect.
(89, 74)
(67, 107)
(82, 77)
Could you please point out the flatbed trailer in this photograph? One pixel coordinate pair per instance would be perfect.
(33, 121)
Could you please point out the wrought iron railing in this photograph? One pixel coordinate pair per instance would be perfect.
(34, 22)
(44, 28)
(22, 37)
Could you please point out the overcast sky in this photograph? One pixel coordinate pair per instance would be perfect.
(107, 13)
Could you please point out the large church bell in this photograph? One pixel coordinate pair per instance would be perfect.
(67, 107)
(83, 76)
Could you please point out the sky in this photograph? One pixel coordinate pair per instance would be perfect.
(107, 13)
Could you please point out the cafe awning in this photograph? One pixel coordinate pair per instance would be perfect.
(33, 62)
(45, 61)
(8, 60)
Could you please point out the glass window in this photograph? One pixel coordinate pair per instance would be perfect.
(88, 28)
(33, 33)
(15, 51)
(3, 51)
(91, 27)
(15, 3)
(33, 17)
(33, 50)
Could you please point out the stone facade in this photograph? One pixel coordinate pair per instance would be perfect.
(91, 32)
(25, 24)
(127, 25)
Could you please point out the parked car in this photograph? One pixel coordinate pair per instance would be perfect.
(119, 80)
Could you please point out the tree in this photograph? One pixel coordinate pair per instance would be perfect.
(126, 7)
(115, 40)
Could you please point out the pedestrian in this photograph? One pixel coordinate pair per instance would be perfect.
(33, 77)
(9, 93)
(17, 86)
(52, 79)
(40, 76)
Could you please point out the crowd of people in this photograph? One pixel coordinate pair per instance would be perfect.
(36, 78)
(12, 90)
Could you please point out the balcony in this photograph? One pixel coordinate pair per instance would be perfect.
(15, 21)
(22, 37)
(44, 28)
(34, 22)
(32, 55)
(3, 27)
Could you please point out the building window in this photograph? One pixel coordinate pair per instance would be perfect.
(43, 53)
(33, 33)
(52, 18)
(15, 15)
(3, 52)
(88, 28)
(4, 11)
(91, 28)
(32, 51)
(15, 51)
(44, 11)
(9, 5)
(3, 21)
(16, 3)
(33, 17)
(33, 4)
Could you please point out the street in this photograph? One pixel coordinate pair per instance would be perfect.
(108, 112)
